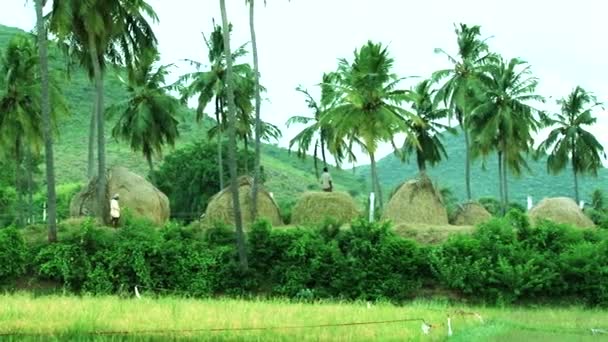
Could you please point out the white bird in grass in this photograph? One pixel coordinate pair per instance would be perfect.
(137, 293)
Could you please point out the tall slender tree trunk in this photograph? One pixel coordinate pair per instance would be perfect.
(258, 123)
(421, 162)
(101, 145)
(375, 182)
(323, 152)
(29, 164)
(234, 186)
(500, 183)
(467, 157)
(19, 183)
(315, 162)
(575, 174)
(220, 160)
(91, 156)
(151, 167)
(505, 176)
(246, 159)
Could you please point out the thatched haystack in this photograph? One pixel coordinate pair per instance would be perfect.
(220, 207)
(315, 206)
(137, 195)
(470, 214)
(416, 201)
(560, 210)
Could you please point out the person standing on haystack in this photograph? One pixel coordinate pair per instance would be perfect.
(326, 181)
(114, 210)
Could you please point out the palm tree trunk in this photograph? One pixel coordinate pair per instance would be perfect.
(29, 164)
(505, 174)
(151, 167)
(220, 160)
(246, 159)
(421, 162)
(18, 182)
(315, 161)
(240, 236)
(51, 200)
(258, 122)
(467, 157)
(323, 152)
(375, 183)
(500, 183)
(91, 156)
(575, 174)
(101, 146)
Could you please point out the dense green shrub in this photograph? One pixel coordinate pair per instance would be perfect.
(13, 254)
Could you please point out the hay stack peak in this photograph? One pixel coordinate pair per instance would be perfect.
(314, 207)
(416, 201)
(220, 207)
(470, 214)
(137, 195)
(560, 210)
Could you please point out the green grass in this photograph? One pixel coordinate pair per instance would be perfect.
(58, 318)
(287, 176)
(450, 173)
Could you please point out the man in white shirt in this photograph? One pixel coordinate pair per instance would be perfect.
(326, 181)
(114, 210)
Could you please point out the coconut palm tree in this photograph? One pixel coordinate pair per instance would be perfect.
(368, 108)
(47, 128)
(210, 85)
(459, 90)
(315, 134)
(505, 120)
(569, 141)
(234, 186)
(114, 29)
(22, 128)
(427, 130)
(147, 118)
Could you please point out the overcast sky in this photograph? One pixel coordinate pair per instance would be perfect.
(565, 41)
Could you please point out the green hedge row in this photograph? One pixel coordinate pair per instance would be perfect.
(504, 261)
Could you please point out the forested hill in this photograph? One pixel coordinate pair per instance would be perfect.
(286, 176)
(450, 173)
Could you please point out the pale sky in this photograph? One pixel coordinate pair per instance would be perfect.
(565, 41)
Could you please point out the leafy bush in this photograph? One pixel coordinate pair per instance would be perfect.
(13, 253)
(286, 208)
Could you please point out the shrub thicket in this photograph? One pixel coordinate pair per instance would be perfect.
(504, 261)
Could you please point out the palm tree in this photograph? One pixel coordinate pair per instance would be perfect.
(459, 91)
(569, 141)
(47, 130)
(21, 123)
(315, 134)
(427, 130)
(210, 85)
(367, 111)
(113, 29)
(505, 119)
(234, 186)
(147, 118)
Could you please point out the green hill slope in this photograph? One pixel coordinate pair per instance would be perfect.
(450, 173)
(286, 175)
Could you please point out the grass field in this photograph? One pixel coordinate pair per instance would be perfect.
(59, 318)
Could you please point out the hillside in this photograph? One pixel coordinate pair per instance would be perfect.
(450, 173)
(286, 175)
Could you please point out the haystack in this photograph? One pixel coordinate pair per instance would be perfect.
(314, 207)
(470, 214)
(137, 195)
(220, 207)
(416, 201)
(560, 210)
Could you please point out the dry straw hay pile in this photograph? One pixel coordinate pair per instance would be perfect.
(314, 207)
(137, 195)
(220, 207)
(470, 214)
(416, 201)
(560, 210)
